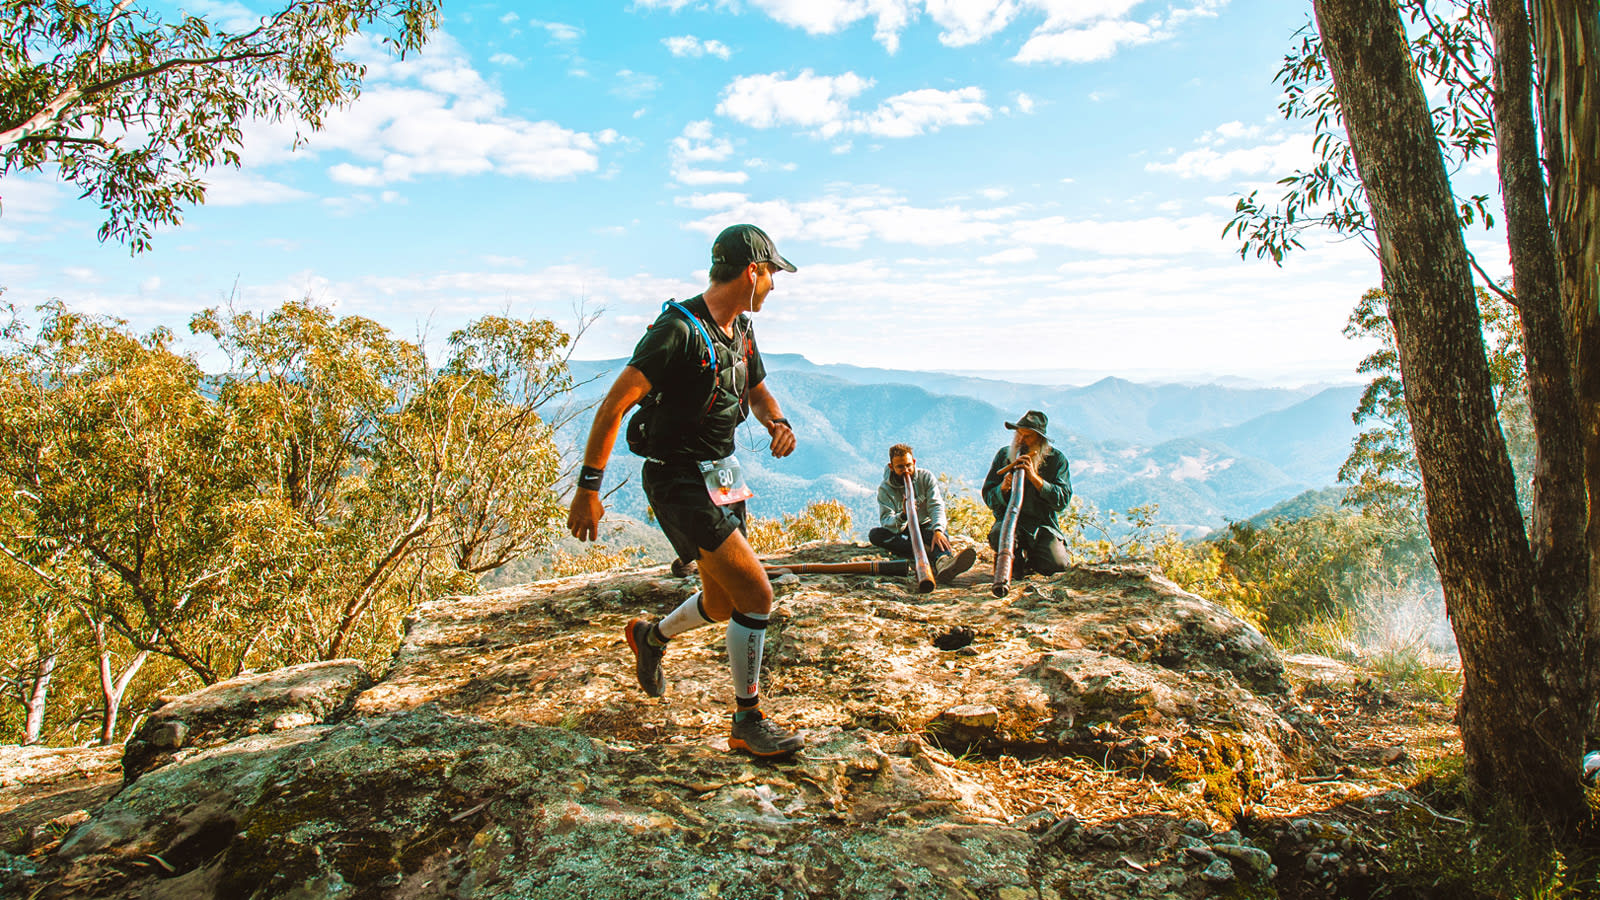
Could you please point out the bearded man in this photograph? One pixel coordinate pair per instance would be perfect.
(1040, 544)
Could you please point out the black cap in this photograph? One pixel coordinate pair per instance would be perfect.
(1033, 420)
(741, 245)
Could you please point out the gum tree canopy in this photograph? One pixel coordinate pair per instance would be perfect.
(133, 106)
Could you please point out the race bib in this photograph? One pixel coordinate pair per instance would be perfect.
(725, 481)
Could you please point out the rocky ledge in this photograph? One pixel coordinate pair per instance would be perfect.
(1100, 733)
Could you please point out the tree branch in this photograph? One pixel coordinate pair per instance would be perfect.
(1504, 294)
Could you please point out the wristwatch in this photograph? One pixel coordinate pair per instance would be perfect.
(780, 420)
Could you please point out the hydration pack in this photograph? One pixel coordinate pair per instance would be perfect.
(643, 427)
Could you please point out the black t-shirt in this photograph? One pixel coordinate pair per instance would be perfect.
(672, 356)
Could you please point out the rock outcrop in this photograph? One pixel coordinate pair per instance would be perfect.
(1092, 734)
(249, 704)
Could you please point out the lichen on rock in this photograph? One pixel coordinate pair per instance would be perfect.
(508, 753)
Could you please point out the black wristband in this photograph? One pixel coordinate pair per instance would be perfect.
(589, 478)
(780, 420)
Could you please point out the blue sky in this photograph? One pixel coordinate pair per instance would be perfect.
(964, 184)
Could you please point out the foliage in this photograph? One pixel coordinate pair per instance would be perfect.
(821, 520)
(1292, 572)
(1451, 48)
(121, 497)
(1382, 465)
(133, 107)
(1451, 848)
(1093, 535)
(1291, 578)
(290, 510)
(965, 514)
(592, 558)
(1414, 668)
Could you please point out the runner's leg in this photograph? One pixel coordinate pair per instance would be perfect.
(732, 575)
(736, 573)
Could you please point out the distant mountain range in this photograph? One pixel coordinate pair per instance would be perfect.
(1206, 454)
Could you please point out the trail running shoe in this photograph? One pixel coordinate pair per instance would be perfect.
(758, 735)
(952, 564)
(647, 657)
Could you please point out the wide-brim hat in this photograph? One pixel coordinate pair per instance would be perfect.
(741, 245)
(1033, 420)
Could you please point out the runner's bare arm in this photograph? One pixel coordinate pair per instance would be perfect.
(765, 406)
(583, 519)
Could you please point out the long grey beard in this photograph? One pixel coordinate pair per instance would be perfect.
(1017, 447)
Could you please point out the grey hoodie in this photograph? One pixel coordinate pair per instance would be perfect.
(892, 501)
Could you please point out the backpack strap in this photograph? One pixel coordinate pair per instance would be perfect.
(710, 361)
(711, 349)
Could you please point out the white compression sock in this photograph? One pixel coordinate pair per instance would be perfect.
(747, 634)
(687, 616)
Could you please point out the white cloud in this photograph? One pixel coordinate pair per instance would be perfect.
(697, 145)
(1230, 131)
(831, 16)
(360, 176)
(970, 21)
(1070, 30)
(505, 59)
(633, 85)
(406, 133)
(227, 186)
(691, 46)
(848, 216)
(1280, 156)
(1098, 41)
(508, 18)
(1205, 9)
(229, 15)
(27, 200)
(916, 112)
(430, 114)
(558, 31)
(808, 99)
(1014, 255)
(1154, 236)
(822, 103)
(1025, 103)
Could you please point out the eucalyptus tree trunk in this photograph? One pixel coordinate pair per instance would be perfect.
(1567, 41)
(1560, 511)
(1523, 709)
(35, 703)
(112, 687)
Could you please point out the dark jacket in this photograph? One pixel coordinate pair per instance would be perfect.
(1039, 508)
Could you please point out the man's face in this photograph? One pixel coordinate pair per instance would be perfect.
(763, 285)
(1030, 438)
(903, 465)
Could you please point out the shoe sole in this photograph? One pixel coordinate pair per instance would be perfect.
(739, 744)
(964, 561)
(633, 645)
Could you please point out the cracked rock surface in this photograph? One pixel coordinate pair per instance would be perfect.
(1092, 734)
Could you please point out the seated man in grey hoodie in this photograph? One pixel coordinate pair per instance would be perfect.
(894, 534)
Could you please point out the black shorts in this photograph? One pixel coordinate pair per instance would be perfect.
(683, 509)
